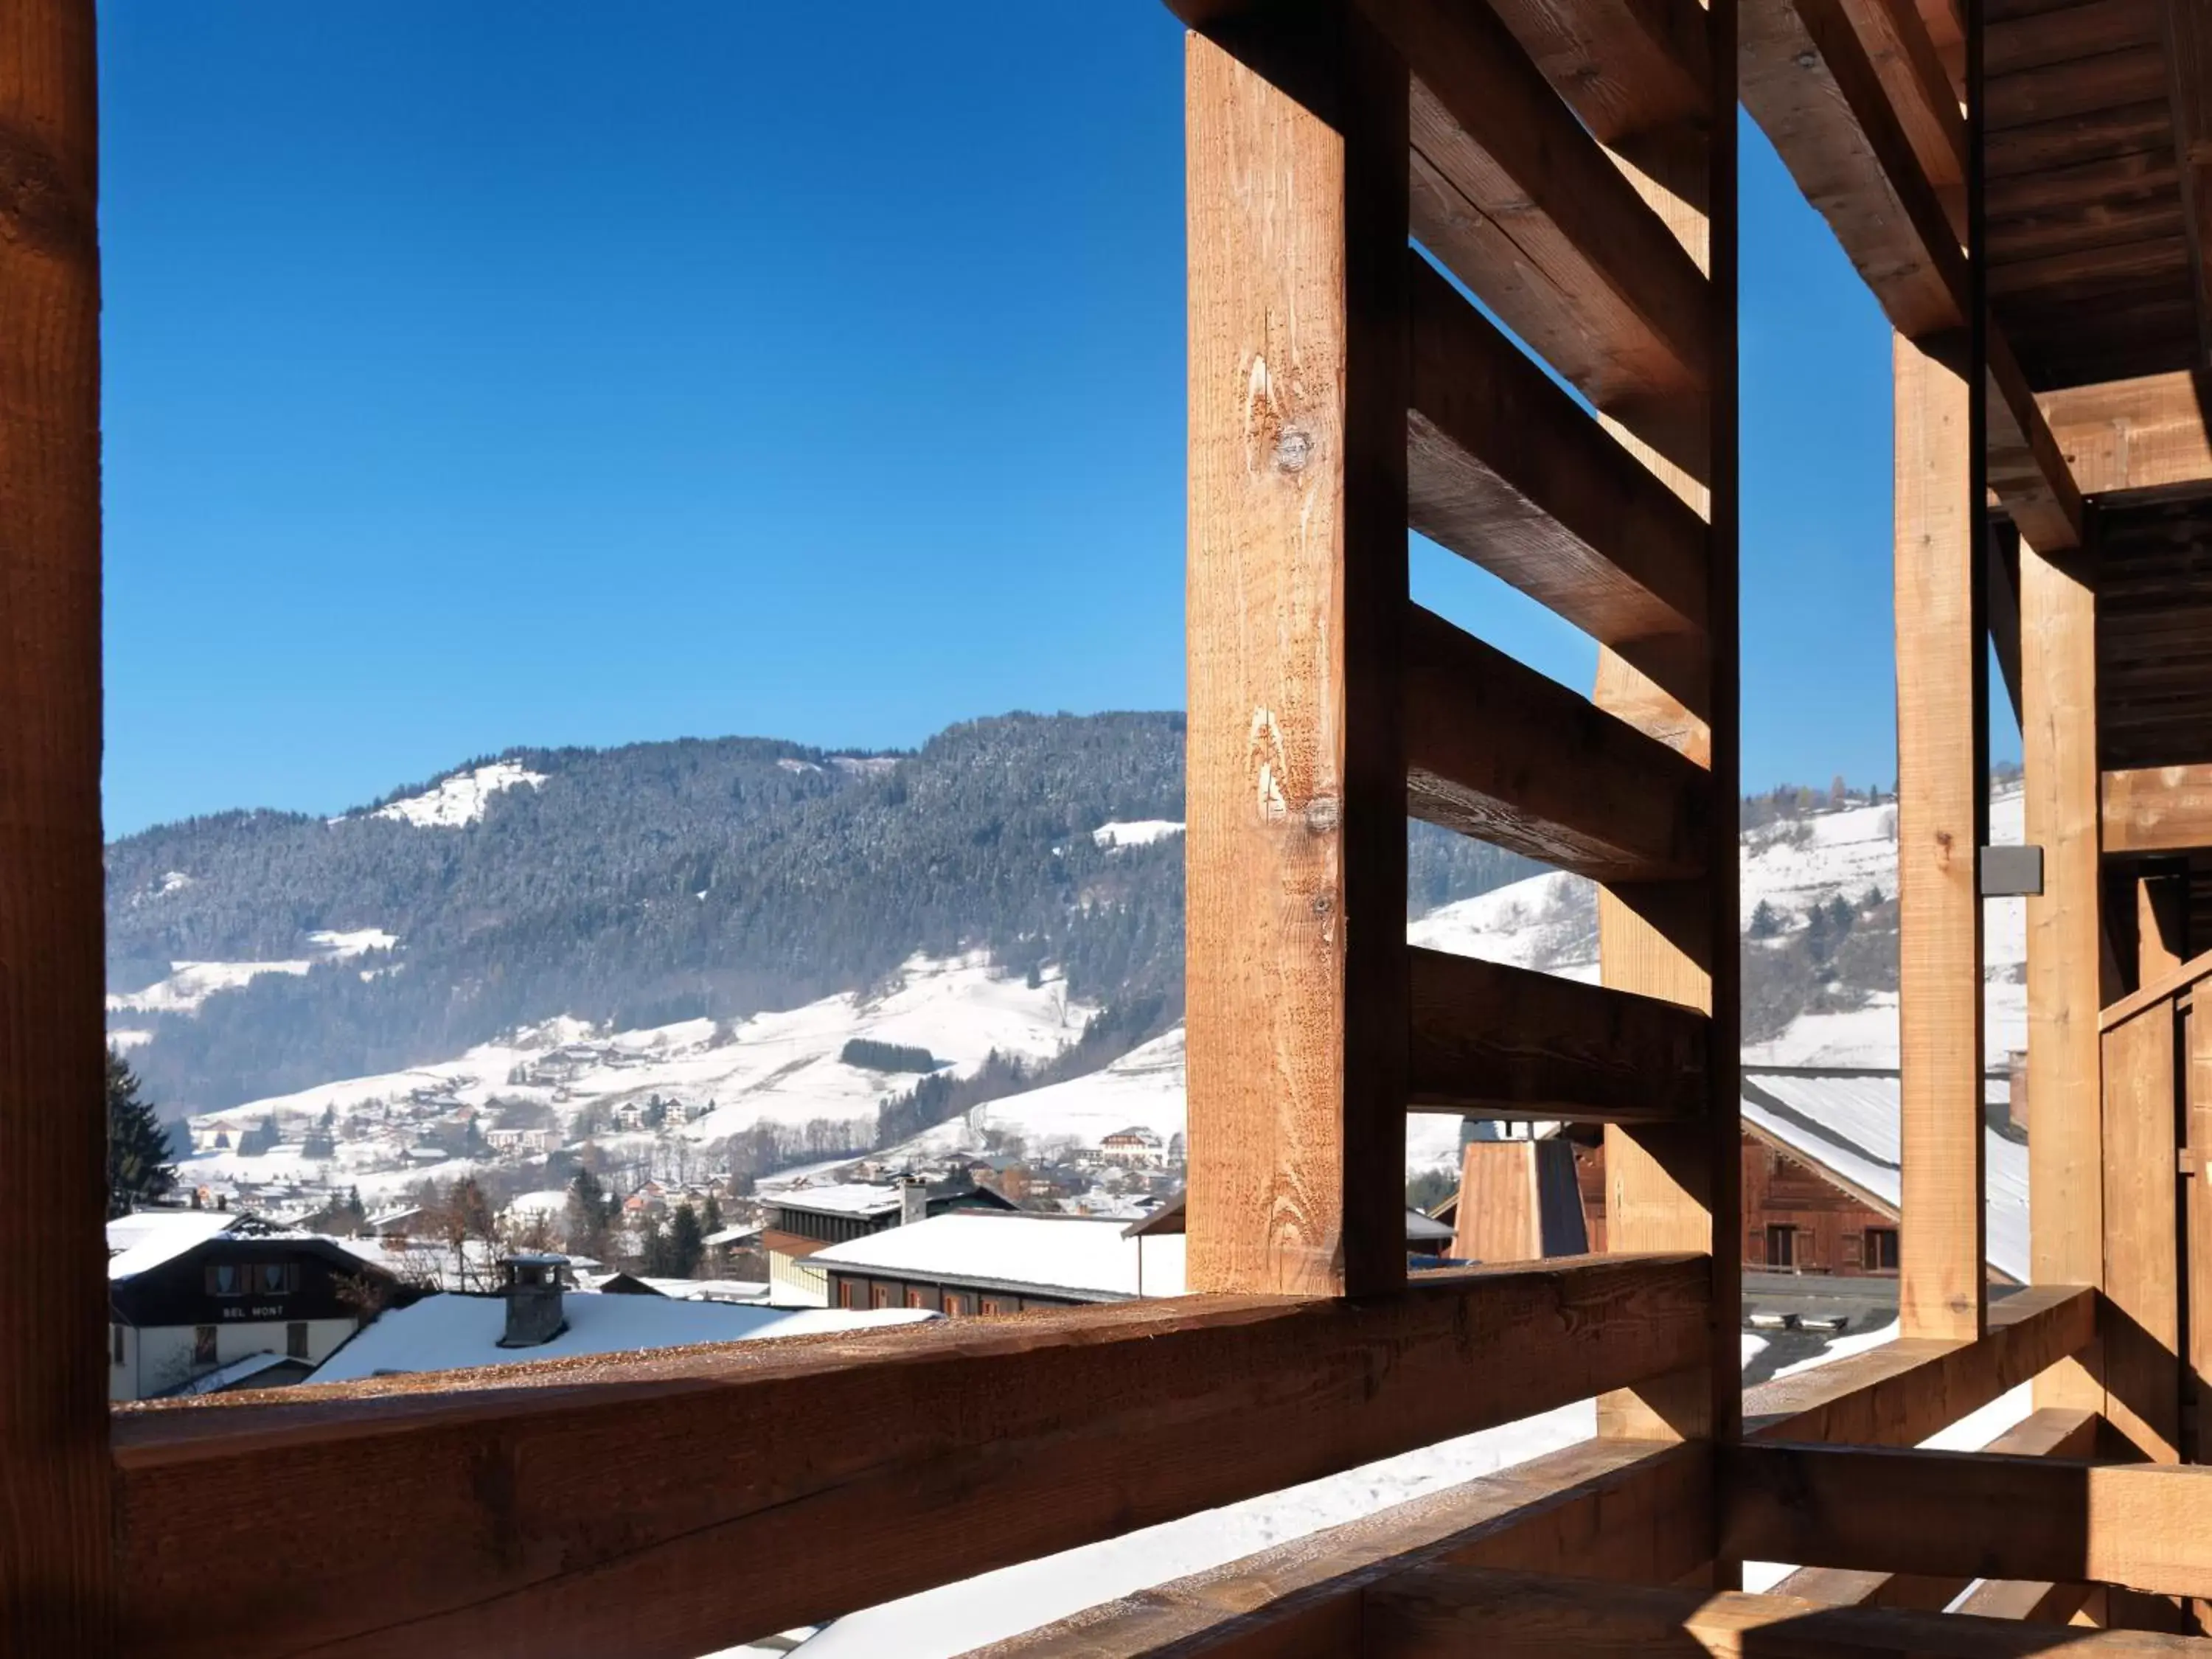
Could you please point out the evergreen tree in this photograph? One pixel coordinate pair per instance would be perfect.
(140, 1169)
(687, 1242)
(1766, 923)
(712, 1220)
(591, 1213)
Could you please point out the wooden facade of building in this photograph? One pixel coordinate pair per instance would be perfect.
(2022, 186)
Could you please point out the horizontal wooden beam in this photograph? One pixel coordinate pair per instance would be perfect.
(2138, 434)
(1808, 81)
(1622, 1510)
(1630, 68)
(1496, 750)
(2054, 1432)
(1519, 201)
(2165, 989)
(1903, 1391)
(1449, 1611)
(584, 1507)
(1494, 1040)
(2148, 1526)
(2157, 809)
(1509, 472)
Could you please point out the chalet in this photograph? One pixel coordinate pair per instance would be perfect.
(1468, 268)
(983, 1261)
(199, 1301)
(1136, 1145)
(802, 1220)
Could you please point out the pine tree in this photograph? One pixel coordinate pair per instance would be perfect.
(139, 1166)
(1765, 922)
(712, 1220)
(687, 1242)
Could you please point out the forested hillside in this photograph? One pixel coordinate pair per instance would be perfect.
(658, 882)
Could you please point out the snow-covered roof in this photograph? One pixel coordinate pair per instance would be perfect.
(234, 1375)
(454, 1331)
(147, 1238)
(1080, 1254)
(733, 1235)
(1849, 1123)
(845, 1198)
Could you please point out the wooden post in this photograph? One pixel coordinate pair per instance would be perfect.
(2161, 922)
(1943, 816)
(1678, 1188)
(2196, 1237)
(1297, 144)
(55, 1588)
(2143, 1342)
(1518, 1201)
(2065, 943)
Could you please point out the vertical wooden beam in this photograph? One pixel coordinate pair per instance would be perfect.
(2065, 943)
(55, 1588)
(2197, 1238)
(1296, 146)
(2142, 1325)
(1942, 815)
(1676, 1187)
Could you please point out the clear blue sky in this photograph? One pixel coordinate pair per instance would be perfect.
(555, 373)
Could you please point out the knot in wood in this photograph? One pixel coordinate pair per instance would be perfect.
(1322, 814)
(1293, 449)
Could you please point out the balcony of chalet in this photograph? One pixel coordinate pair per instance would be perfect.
(1467, 266)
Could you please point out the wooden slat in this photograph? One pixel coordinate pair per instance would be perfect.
(1633, 69)
(1507, 471)
(588, 1507)
(1297, 601)
(1807, 81)
(2157, 809)
(1941, 824)
(1920, 93)
(2188, 30)
(55, 1581)
(1514, 195)
(2058, 747)
(1494, 1040)
(2144, 1525)
(2163, 990)
(1605, 1509)
(1497, 751)
(2143, 1329)
(1451, 1611)
(2051, 1432)
(2196, 1237)
(1901, 1393)
(2142, 433)
(2032, 1600)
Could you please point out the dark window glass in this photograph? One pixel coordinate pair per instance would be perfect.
(1781, 1247)
(1882, 1248)
(295, 1340)
(202, 1344)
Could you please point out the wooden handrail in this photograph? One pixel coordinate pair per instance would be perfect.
(665, 1505)
(2167, 985)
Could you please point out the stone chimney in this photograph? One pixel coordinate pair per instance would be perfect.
(914, 1201)
(531, 1285)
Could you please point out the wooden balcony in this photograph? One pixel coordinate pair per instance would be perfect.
(1545, 383)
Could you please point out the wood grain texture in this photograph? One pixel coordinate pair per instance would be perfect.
(1496, 750)
(2161, 922)
(2157, 809)
(2165, 989)
(2142, 1326)
(1920, 93)
(2058, 748)
(1901, 1393)
(1489, 125)
(2146, 1526)
(1296, 850)
(1941, 824)
(575, 1509)
(1495, 1041)
(1518, 1201)
(2146, 433)
(1612, 1510)
(1444, 1612)
(1633, 69)
(55, 1578)
(2051, 1432)
(2188, 42)
(1507, 471)
(2196, 1237)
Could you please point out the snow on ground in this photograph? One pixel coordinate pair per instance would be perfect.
(779, 1068)
(123, 1041)
(460, 799)
(190, 984)
(1138, 832)
(1547, 922)
(1144, 1089)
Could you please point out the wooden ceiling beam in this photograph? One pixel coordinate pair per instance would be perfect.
(1808, 80)
(1494, 1040)
(2148, 1526)
(2144, 434)
(1496, 750)
(1628, 67)
(1449, 1610)
(1895, 35)
(2157, 809)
